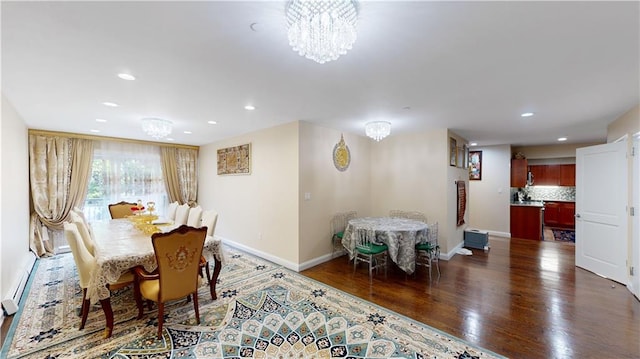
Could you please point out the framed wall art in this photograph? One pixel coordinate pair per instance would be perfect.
(465, 156)
(235, 160)
(475, 165)
(453, 151)
(341, 155)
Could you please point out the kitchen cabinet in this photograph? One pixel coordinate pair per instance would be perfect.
(526, 222)
(518, 172)
(553, 175)
(551, 214)
(567, 175)
(566, 215)
(545, 175)
(560, 214)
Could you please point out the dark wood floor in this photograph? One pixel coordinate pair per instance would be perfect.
(522, 299)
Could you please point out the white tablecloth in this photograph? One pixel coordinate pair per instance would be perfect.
(120, 247)
(399, 234)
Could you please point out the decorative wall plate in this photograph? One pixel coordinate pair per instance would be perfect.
(341, 155)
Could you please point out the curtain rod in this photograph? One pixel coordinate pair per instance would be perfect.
(105, 138)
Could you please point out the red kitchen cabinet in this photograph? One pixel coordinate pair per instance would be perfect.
(525, 222)
(566, 215)
(545, 175)
(518, 172)
(551, 214)
(560, 214)
(553, 175)
(567, 175)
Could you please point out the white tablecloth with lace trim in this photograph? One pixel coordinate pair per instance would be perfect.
(120, 247)
(399, 234)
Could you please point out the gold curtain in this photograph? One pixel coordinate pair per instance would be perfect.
(59, 170)
(180, 171)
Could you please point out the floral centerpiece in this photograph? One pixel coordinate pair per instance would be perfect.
(137, 209)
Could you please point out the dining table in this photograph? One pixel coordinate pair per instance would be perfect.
(121, 246)
(399, 234)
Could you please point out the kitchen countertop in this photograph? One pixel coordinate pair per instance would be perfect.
(528, 203)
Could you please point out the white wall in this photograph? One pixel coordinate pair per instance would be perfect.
(257, 211)
(266, 212)
(489, 198)
(454, 233)
(627, 124)
(331, 190)
(14, 193)
(411, 172)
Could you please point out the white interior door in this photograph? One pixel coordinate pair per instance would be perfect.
(601, 210)
(635, 223)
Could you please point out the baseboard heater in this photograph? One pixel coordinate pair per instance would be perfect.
(11, 304)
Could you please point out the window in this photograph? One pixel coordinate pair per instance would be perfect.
(124, 172)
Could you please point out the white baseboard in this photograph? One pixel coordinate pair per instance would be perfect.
(289, 265)
(500, 234)
(261, 254)
(451, 253)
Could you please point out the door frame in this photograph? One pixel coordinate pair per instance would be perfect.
(634, 273)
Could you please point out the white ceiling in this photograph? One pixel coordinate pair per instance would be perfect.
(473, 67)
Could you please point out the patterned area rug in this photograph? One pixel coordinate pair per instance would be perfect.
(263, 311)
(564, 235)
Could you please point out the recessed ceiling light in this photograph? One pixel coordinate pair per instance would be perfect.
(562, 139)
(249, 107)
(187, 132)
(212, 122)
(95, 131)
(127, 77)
(527, 114)
(100, 120)
(473, 144)
(170, 139)
(110, 104)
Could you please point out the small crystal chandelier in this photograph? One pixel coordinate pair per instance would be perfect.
(321, 30)
(156, 127)
(377, 129)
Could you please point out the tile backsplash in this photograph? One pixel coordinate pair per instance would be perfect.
(548, 193)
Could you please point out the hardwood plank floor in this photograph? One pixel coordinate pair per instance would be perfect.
(522, 299)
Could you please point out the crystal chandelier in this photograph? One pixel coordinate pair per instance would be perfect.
(156, 127)
(377, 129)
(321, 30)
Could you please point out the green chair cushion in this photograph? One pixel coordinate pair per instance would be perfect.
(424, 247)
(373, 248)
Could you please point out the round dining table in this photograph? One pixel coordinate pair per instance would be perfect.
(399, 234)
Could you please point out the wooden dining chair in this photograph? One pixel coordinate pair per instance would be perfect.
(121, 209)
(194, 217)
(373, 254)
(182, 214)
(86, 264)
(178, 255)
(209, 220)
(428, 251)
(83, 229)
(171, 210)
